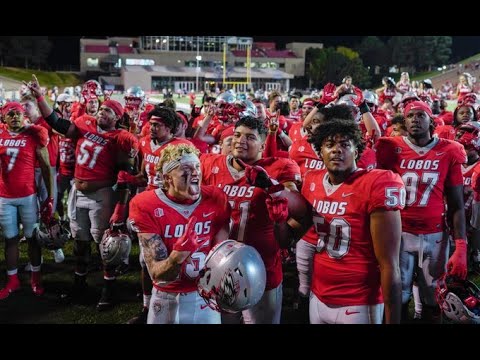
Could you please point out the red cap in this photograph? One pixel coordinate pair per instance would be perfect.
(227, 132)
(183, 117)
(417, 105)
(308, 102)
(115, 106)
(13, 105)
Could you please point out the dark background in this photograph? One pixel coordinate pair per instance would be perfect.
(66, 49)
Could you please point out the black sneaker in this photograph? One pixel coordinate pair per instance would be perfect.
(106, 299)
(140, 318)
(122, 269)
(77, 293)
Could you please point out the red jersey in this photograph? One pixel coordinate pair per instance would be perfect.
(97, 150)
(445, 132)
(18, 157)
(297, 132)
(304, 154)
(345, 269)
(153, 212)
(52, 146)
(66, 148)
(467, 172)
(251, 223)
(426, 171)
(150, 153)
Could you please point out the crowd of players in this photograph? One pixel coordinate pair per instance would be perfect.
(376, 198)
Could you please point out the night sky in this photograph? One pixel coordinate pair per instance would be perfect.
(67, 48)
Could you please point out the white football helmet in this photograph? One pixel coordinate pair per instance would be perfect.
(233, 278)
(115, 247)
(458, 299)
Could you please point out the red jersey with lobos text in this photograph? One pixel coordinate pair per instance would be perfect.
(18, 157)
(97, 150)
(345, 269)
(150, 153)
(251, 223)
(426, 172)
(152, 212)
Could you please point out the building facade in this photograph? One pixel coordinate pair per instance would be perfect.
(186, 63)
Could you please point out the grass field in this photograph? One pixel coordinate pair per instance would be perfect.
(47, 79)
(23, 307)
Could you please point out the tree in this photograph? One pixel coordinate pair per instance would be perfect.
(420, 52)
(24, 51)
(443, 46)
(329, 65)
(374, 52)
(347, 52)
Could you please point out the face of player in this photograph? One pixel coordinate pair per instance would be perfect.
(339, 154)
(306, 109)
(106, 118)
(92, 106)
(261, 114)
(226, 147)
(184, 181)
(464, 114)
(14, 120)
(247, 145)
(398, 130)
(275, 104)
(158, 131)
(310, 127)
(181, 130)
(417, 123)
(294, 103)
(31, 110)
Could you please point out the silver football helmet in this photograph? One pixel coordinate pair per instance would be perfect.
(459, 299)
(247, 108)
(115, 247)
(233, 278)
(370, 97)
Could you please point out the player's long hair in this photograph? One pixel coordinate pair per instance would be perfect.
(334, 127)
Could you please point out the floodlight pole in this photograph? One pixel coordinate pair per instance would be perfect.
(197, 70)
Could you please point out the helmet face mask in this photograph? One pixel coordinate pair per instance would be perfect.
(134, 98)
(458, 299)
(52, 237)
(468, 135)
(92, 87)
(233, 278)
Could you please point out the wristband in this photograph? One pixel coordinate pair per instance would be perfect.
(364, 108)
(40, 98)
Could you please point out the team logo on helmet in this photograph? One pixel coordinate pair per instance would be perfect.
(228, 288)
(115, 247)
